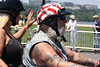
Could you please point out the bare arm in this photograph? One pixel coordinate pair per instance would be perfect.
(80, 59)
(22, 31)
(45, 55)
(95, 26)
(2, 44)
(2, 64)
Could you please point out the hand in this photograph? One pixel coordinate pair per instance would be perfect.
(70, 30)
(92, 27)
(66, 30)
(29, 20)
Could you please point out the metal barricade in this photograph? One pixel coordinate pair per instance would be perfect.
(85, 40)
(28, 33)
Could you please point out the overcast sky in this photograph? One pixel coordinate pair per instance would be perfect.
(81, 2)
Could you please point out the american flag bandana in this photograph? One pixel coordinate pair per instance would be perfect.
(47, 10)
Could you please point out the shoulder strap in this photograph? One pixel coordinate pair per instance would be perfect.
(10, 36)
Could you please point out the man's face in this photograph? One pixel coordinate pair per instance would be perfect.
(95, 19)
(61, 24)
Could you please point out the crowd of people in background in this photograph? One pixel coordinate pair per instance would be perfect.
(45, 49)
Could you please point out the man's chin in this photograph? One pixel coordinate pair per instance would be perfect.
(62, 33)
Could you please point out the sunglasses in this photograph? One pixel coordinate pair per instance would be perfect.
(62, 17)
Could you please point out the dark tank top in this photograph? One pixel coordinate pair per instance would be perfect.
(12, 53)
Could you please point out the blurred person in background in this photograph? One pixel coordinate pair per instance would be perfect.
(46, 49)
(73, 29)
(25, 18)
(96, 28)
(10, 47)
(21, 20)
(19, 23)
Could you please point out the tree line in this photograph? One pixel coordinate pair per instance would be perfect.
(82, 14)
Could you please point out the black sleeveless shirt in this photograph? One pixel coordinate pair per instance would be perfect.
(12, 53)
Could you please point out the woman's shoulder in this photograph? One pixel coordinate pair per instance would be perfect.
(2, 32)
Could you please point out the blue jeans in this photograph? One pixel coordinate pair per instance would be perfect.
(96, 42)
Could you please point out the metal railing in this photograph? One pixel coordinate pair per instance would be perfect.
(85, 38)
(27, 35)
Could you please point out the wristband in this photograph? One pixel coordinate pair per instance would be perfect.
(25, 28)
(96, 64)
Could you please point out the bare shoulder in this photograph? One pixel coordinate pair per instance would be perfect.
(44, 54)
(2, 40)
(2, 36)
(43, 48)
(2, 33)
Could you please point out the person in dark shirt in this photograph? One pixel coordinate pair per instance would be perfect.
(96, 28)
(10, 47)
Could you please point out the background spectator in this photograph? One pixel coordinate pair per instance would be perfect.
(73, 29)
(96, 28)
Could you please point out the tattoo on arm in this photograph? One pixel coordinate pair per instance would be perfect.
(54, 58)
(59, 62)
(75, 65)
(40, 55)
(85, 61)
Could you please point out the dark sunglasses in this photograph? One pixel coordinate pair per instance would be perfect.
(62, 17)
